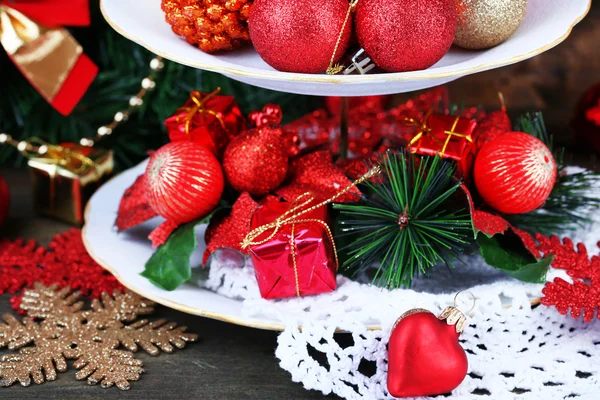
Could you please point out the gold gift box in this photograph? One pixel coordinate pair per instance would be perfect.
(61, 191)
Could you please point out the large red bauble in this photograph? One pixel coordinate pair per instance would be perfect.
(405, 35)
(4, 200)
(424, 356)
(515, 173)
(299, 35)
(256, 160)
(184, 181)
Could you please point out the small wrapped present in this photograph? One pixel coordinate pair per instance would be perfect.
(448, 136)
(65, 177)
(207, 119)
(293, 258)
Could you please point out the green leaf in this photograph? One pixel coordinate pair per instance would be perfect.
(170, 266)
(514, 260)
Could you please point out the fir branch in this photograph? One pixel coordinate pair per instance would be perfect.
(574, 196)
(408, 223)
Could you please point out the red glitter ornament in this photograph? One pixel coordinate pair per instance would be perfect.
(230, 230)
(583, 295)
(405, 35)
(185, 181)
(316, 173)
(256, 160)
(425, 357)
(299, 35)
(515, 173)
(134, 208)
(493, 125)
(212, 25)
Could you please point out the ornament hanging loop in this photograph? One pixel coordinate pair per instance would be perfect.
(334, 69)
(453, 316)
(473, 298)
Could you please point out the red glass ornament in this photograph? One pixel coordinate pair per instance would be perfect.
(424, 355)
(299, 35)
(184, 181)
(515, 173)
(405, 35)
(256, 161)
(4, 200)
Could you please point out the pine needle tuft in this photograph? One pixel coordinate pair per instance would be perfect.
(411, 220)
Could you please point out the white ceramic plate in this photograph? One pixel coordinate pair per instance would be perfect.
(124, 255)
(548, 23)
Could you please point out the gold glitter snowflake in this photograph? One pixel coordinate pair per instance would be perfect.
(90, 337)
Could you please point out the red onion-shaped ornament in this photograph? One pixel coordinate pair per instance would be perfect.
(425, 357)
(256, 160)
(184, 181)
(405, 35)
(515, 173)
(299, 35)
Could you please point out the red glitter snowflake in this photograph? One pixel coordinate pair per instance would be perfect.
(65, 261)
(583, 295)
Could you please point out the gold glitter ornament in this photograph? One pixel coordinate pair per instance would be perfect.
(486, 23)
(90, 337)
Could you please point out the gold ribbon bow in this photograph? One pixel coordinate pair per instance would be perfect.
(301, 206)
(199, 101)
(424, 129)
(69, 158)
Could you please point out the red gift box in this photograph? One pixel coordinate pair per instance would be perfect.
(207, 119)
(448, 136)
(299, 260)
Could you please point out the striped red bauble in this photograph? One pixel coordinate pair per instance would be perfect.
(184, 181)
(515, 173)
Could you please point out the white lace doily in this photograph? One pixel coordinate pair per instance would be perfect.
(514, 351)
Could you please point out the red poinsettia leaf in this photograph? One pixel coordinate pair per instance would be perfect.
(489, 224)
(161, 233)
(134, 209)
(316, 173)
(229, 231)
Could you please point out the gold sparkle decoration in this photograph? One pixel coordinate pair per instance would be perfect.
(90, 337)
(486, 23)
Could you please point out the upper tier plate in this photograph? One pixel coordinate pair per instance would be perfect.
(548, 23)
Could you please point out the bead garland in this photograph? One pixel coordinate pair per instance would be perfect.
(30, 147)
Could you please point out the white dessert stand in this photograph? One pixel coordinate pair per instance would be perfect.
(548, 22)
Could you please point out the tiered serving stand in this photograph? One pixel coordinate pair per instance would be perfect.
(548, 23)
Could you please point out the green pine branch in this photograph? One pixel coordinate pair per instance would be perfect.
(410, 221)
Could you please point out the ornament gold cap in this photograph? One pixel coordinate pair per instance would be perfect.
(453, 316)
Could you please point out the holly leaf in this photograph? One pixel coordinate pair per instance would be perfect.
(169, 266)
(507, 248)
(506, 253)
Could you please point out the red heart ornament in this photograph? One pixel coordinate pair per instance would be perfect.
(425, 358)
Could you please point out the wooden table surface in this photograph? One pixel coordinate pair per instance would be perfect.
(228, 362)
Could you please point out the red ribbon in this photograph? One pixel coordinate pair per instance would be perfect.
(77, 76)
(54, 13)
